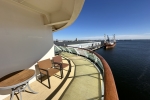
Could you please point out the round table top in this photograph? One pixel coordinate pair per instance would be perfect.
(16, 78)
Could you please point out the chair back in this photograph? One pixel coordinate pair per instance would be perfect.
(57, 59)
(45, 64)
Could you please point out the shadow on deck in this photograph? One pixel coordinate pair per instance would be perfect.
(84, 82)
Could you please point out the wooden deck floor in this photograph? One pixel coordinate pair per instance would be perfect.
(85, 83)
(44, 92)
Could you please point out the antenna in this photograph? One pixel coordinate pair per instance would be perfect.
(114, 38)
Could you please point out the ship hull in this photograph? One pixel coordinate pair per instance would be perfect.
(109, 46)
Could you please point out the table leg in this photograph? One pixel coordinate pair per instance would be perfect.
(24, 87)
(12, 94)
(19, 91)
(31, 89)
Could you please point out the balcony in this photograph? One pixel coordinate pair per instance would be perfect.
(90, 78)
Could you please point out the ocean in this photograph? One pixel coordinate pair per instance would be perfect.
(130, 65)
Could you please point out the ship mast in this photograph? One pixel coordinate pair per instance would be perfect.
(104, 38)
(108, 38)
(114, 39)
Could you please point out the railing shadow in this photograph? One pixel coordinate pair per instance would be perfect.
(109, 83)
(89, 75)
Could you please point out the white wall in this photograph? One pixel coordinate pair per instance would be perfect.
(24, 39)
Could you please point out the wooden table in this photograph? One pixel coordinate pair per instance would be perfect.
(17, 81)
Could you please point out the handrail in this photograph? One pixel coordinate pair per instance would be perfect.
(109, 83)
(110, 91)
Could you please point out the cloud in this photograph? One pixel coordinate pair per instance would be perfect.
(93, 37)
(125, 36)
(147, 33)
(133, 36)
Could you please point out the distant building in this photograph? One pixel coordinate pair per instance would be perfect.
(76, 39)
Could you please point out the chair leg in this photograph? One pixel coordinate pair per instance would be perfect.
(61, 73)
(69, 66)
(48, 80)
(41, 76)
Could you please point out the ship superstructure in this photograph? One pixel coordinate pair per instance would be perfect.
(108, 44)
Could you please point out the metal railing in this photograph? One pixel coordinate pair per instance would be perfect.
(87, 54)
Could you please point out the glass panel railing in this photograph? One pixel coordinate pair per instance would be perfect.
(57, 50)
(84, 53)
(100, 66)
(99, 63)
(89, 55)
(69, 50)
(95, 60)
(66, 49)
(63, 48)
(80, 52)
(72, 50)
(76, 49)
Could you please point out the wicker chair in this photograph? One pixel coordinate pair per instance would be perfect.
(58, 63)
(46, 68)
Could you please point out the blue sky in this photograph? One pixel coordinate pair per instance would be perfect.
(127, 19)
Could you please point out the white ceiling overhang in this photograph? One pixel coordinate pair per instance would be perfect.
(56, 13)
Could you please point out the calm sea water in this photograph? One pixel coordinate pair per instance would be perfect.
(130, 64)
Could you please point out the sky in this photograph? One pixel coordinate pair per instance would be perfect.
(127, 19)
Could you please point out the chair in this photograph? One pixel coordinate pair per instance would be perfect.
(46, 68)
(58, 63)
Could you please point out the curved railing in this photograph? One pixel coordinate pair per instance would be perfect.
(108, 90)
